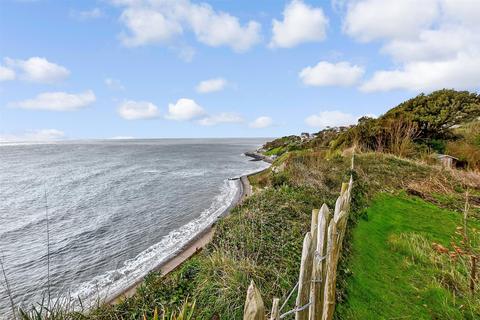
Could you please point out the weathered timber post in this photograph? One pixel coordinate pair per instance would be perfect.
(304, 278)
(339, 204)
(336, 231)
(314, 227)
(254, 308)
(319, 266)
(329, 288)
(275, 315)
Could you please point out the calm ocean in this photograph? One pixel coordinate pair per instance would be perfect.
(116, 209)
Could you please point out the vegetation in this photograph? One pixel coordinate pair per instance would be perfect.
(467, 145)
(280, 146)
(401, 252)
(443, 121)
(402, 263)
(437, 113)
(262, 238)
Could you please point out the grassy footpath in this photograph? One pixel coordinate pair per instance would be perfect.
(395, 272)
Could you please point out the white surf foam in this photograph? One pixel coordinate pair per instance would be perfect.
(114, 282)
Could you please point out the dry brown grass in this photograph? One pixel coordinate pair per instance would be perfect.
(465, 151)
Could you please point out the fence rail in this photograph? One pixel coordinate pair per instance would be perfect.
(318, 267)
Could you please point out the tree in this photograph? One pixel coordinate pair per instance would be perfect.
(436, 113)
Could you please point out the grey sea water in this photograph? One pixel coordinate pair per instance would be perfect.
(116, 209)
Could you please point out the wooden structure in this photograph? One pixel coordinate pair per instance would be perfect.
(318, 266)
(447, 161)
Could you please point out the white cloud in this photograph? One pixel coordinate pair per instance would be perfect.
(38, 69)
(153, 21)
(114, 84)
(368, 20)
(136, 110)
(148, 26)
(465, 12)
(462, 72)
(184, 109)
(34, 135)
(261, 122)
(57, 101)
(330, 119)
(301, 23)
(224, 117)
(6, 74)
(331, 74)
(222, 29)
(211, 85)
(433, 45)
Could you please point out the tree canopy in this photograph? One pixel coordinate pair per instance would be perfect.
(436, 113)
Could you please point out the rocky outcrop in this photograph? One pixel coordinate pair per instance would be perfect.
(258, 157)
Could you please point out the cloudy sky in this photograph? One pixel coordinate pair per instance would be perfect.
(223, 68)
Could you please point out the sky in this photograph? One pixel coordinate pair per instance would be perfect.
(101, 69)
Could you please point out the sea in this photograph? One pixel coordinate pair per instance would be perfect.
(89, 219)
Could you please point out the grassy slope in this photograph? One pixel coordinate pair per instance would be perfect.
(261, 239)
(386, 283)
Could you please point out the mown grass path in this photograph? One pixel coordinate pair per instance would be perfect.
(389, 282)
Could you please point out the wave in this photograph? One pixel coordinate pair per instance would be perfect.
(189, 173)
(114, 282)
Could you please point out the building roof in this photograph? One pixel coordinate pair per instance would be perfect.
(443, 156)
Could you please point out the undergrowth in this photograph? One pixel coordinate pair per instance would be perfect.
(261, 239)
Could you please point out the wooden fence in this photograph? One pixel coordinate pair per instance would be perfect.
(318, 267)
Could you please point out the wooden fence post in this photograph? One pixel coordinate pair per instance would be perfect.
(275, 315)
(304, 278)
(329, 289)
(336, 232)
(339, 204)
(314, 227)
(254, 308)
(318, 272)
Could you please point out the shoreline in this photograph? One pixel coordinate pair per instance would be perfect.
(195, 245)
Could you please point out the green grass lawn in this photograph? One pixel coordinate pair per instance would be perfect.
(396, 274)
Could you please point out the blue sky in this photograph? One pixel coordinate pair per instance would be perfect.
(224, 68)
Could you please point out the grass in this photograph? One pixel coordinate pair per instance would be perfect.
(261, 239)
(395, 273)
(276, 151)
